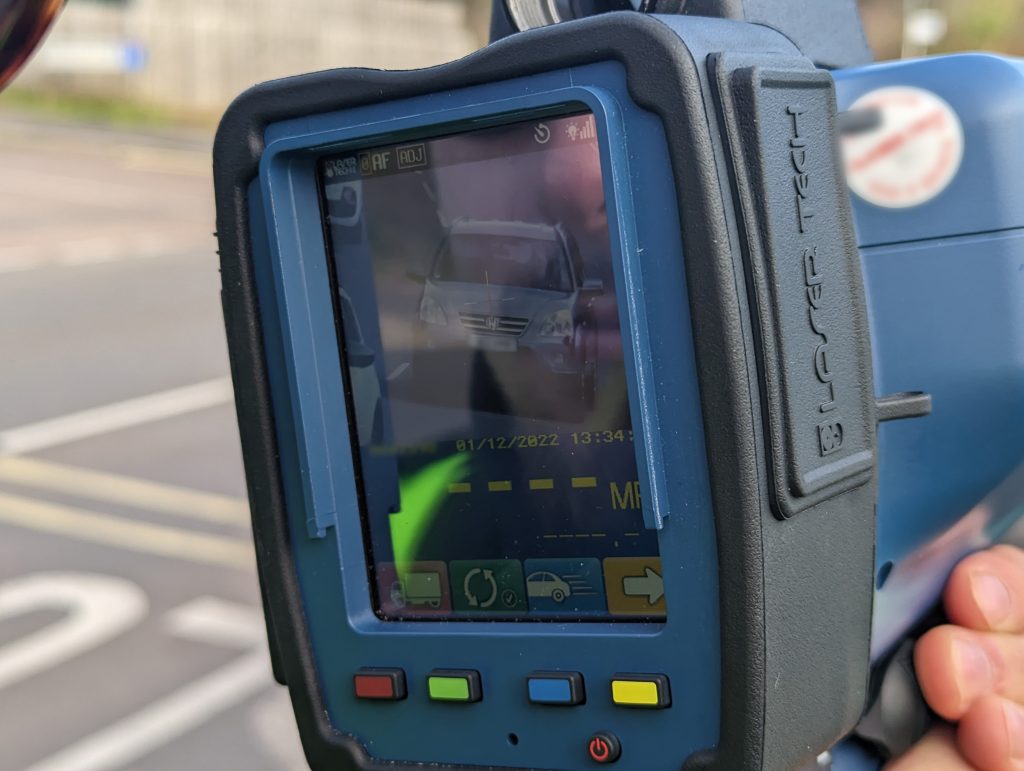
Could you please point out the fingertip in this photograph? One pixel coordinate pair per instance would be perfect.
(991, 734)
(959, 597)
(1013, 553)
(985, 592)
(934, 666)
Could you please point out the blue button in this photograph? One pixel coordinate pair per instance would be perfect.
(563, 688)
(550, 691)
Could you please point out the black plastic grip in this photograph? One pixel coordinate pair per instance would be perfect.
(804, 277)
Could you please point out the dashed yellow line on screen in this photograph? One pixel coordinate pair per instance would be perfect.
(535, 485)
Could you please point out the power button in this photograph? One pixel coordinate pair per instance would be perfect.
(603, 747)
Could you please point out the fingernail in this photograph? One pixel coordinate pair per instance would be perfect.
(1014, 717)
(992, 597)
(973, 669)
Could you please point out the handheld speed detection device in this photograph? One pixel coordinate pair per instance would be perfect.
(559, 375)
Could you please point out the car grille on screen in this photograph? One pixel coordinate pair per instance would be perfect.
(493, 325)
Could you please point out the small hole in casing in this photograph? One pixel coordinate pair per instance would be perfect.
(513, 739)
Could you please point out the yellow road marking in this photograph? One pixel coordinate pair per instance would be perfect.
(113, 488)
(459, 487)
(502, 486)
(631, 535)
(542, 484)
(582, 482)
(125, 533)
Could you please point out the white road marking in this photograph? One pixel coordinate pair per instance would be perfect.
(98, 608)
(57, 188)
(128, 491)
(87, 251)
(165, 160)
(114, 417)
(218, 622)
(101, 249)
(272, 725)
(162, 721)
(17, 262)
(126, 533)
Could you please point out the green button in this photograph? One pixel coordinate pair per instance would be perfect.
(454, 685)
(449, 688)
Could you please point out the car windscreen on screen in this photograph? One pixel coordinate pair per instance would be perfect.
(483, 361)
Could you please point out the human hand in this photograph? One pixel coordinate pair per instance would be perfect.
(971, 670)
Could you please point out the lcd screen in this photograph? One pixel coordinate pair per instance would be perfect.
(483, 358)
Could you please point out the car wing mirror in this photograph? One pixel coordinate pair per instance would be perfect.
(359, 355)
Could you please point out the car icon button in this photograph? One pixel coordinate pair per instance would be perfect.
(565, 586)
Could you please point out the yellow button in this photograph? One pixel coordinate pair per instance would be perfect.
(640, 691)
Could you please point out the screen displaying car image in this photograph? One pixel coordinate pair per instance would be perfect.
(479, 327)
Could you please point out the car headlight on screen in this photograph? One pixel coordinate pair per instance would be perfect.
(558, 324)
(431, 312)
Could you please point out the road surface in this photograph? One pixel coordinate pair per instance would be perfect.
(130, 628)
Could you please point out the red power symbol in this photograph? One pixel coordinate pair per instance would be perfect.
(599, 749)
(604, 747)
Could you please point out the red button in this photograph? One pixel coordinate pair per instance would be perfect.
(385, 684)
(604, 747)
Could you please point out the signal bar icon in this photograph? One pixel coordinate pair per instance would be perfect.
(578, 131)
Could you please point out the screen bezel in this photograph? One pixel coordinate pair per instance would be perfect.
(555, 111)
(325, 534)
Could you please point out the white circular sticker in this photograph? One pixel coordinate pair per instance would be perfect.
(912, 156)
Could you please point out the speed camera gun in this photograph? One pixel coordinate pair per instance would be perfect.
(588, 418)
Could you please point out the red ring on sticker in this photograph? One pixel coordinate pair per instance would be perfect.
(912, 156)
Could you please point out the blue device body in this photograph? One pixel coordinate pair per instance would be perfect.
(945, 285)
(945, 289)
